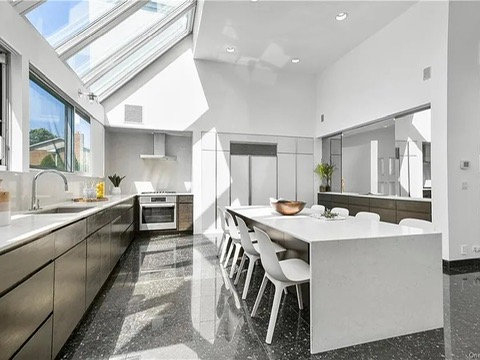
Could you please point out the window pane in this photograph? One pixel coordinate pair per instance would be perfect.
(48, 118)
(58, 21)
(162, 41)
(82, 148)
(106, 45)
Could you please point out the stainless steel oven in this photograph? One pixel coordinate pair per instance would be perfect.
(158, 212)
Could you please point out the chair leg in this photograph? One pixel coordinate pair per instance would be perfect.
(240, 269)
(274, 314)
(259, 296)
(285, 291)
(235, 258)
(230, 250)
(299, 296)
(224, 248)
(251, 265)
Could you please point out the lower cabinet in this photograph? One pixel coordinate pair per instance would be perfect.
(24, 309)
(69, 299)
(39, 347)
(47, 285)
(185, 213)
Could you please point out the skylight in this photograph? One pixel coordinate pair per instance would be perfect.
(107, 42)
(58, 21)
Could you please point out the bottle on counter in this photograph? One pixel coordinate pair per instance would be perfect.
(5, 215)
(101, 190)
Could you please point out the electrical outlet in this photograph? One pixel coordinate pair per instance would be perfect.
(464, 185)
(463, 249)
(476, 248)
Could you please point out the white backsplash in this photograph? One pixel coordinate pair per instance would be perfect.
(51, 189)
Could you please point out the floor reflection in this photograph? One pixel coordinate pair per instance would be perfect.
(169, 299)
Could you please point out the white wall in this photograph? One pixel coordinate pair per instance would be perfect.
(463, 127)
(384, 76)
(28, 47)
(180, 93)
(123, 158)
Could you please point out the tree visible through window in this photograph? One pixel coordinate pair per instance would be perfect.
(50, 124)
(82, 158)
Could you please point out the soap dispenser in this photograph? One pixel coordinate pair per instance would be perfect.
(5, 215)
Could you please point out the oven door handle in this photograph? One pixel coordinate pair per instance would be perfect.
(157, 205)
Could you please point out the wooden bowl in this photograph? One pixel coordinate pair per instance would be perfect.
(287, 207)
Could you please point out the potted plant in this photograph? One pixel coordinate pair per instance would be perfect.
(325, 172)
(116, 180)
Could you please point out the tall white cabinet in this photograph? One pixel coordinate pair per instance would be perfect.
(239, 180)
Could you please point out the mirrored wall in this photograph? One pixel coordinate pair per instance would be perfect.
(388, 157)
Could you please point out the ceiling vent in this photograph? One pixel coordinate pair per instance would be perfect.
(133, 114)
(158, 149)
(427, 73)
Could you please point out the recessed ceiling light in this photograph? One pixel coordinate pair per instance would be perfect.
(253, 0)
(230, 49)
(295, 60)
(341, 16)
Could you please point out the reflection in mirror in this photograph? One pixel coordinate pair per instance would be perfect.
(388, 157)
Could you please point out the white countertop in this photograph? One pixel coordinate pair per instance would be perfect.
(27, 226)
(306, 228)
(379, 196)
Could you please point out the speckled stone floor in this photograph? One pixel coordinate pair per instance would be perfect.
(169, 299)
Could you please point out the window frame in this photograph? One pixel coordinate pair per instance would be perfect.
(70, 111)
(4, 109)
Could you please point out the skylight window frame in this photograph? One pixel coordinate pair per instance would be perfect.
(150, 59)
(106, 65)
(24, 6)
(97, 28)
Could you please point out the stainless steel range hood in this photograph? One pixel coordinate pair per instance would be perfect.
(158, 149)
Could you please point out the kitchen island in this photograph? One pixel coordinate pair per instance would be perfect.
(369, 280)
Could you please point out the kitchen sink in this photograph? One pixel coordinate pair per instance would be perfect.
(62, 210)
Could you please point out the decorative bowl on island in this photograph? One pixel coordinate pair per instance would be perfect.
(287, 207)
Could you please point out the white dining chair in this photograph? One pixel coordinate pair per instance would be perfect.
(250, 251)
(317, 209)
(282, 274)
(235, 244)
(340, 211)
(225, 236)
(365, 215)
(417, 223)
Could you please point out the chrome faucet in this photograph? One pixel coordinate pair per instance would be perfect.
(35, 201)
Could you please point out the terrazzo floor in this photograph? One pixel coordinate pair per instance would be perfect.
(169, 299)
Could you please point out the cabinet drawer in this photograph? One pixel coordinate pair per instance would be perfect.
(382, 204)
(69, 236)
(185, 199)
(386, 215)
(359, 201)
(324, 197)
(414, 206)
(23, 261)
(23, 310)
(98, 220)
(354, 209)
(340, 199)
(39, 347)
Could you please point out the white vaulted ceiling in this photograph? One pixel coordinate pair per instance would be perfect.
(268, 33)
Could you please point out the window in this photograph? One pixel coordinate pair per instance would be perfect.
(50, 128)
(59, 21)
(81, 151)
(3, 109)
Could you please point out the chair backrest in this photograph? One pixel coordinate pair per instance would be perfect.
(318, 209)
(222, 220)
(365, 215)
(232, 228)
(341, 211)
(268, 256)
(417, 223)
(245, 237)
